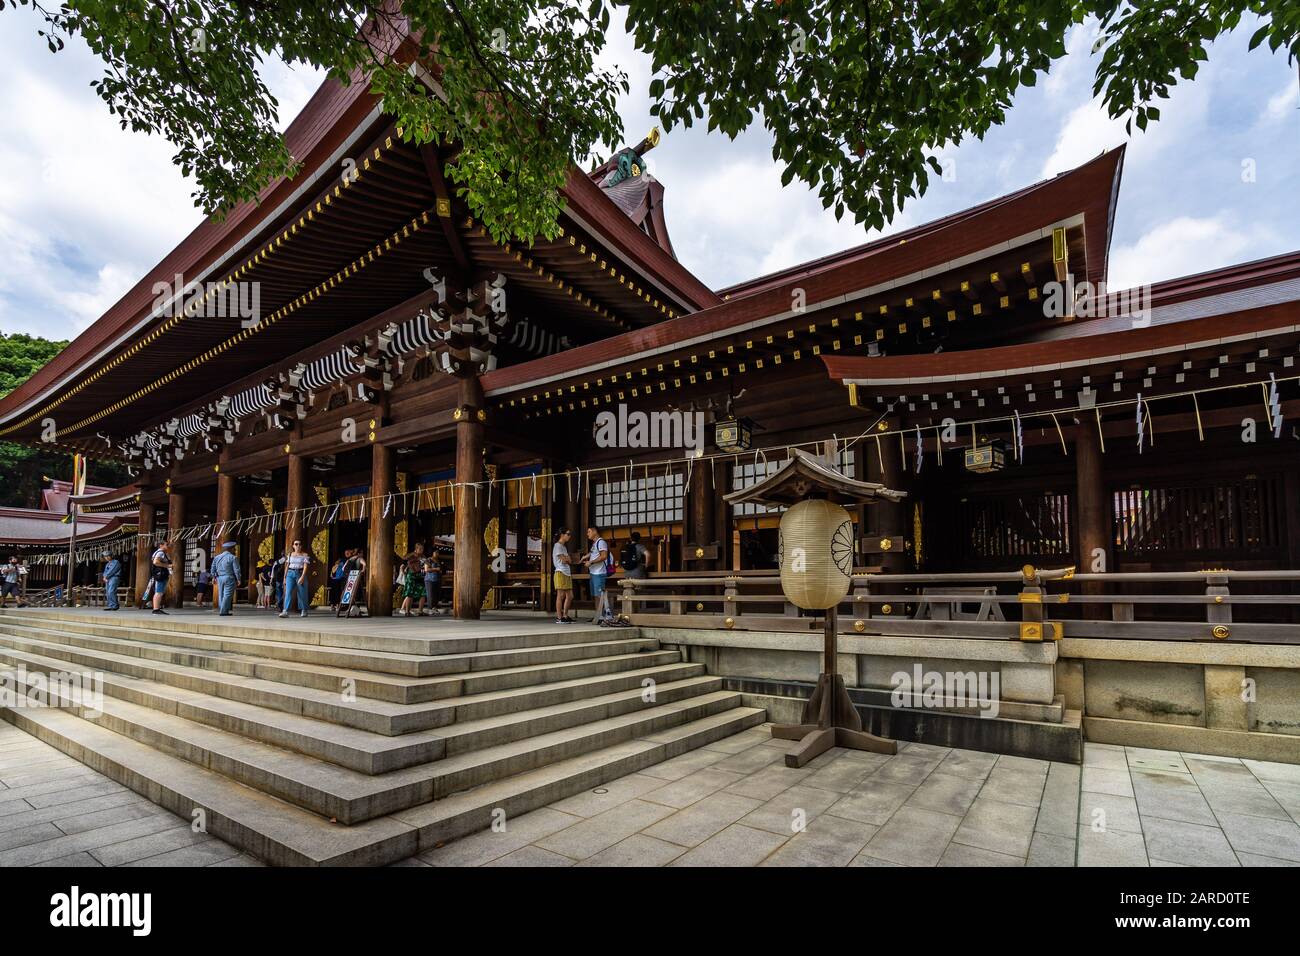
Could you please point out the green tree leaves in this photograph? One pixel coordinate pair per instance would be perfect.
(858, 95)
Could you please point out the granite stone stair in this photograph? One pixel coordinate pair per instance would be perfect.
(346, 745)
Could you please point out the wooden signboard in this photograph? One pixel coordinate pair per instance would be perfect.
(351, 588)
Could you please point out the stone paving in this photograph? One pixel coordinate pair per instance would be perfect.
(55, 811)
(735, 803)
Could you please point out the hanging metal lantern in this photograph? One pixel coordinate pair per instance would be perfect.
(733, 434)
(816, 554)
(985, 458)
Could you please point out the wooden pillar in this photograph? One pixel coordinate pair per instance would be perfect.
(379, 549)
(225, 504)
(546, 531)
(888, 518)
(295, 502)
(468, 577)
(1094, 512)
(702, 532)
(176, 521)
(144, 548)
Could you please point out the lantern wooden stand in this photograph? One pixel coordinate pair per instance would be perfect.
(829, 717)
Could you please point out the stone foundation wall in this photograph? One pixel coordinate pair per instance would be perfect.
(1239, 700)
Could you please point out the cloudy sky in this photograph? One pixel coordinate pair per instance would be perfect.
(86, 209)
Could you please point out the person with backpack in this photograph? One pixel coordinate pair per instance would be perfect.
(600, 565)
(161, 573)
(633, 557)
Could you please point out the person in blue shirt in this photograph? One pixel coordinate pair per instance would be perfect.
(112, 577)
(225, 568)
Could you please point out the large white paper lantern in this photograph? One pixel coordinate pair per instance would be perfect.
(816, 554)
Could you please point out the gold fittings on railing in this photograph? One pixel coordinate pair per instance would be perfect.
(1220, 632)
(1218, 599)
(730, 622)
(859, 626)
(699, 605)
(886, 609)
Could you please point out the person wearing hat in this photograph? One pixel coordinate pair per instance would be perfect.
(112, 575)
(225, 569)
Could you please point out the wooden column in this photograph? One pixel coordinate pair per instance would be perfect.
(887, 518)
(225, 504)
(468, 577)
(546, 525)
(1094, 511)
(295, 501)
(379, 549)
(176, 521)
(703, 523)
(144, 548)
(226, 488)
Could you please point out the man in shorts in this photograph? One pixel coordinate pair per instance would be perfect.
(161, 574)
(597, 562)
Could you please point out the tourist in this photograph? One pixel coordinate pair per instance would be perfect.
(112, 576)
(11, 579)
(277, 579)
(263, 585)
(225, 568)
(412, 586)
(563, 577)
(432, 571)
(296, 564)
(161, 573)
(634, 558)
(202, 586)
(338, 574)
(599, 564)
(357, 562)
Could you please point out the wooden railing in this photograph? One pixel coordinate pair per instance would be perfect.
(1030, 605)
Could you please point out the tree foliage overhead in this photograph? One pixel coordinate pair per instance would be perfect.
(858, 95)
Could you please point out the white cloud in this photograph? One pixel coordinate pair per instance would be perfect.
(1184, 246)
(86, 208)
(1284, 103)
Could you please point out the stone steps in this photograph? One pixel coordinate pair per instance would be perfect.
(380, 717)
(394, 688)
(318, 631)
(283, 834)
(438, 657)
(252, 727)
(350, 796)
(371, 753)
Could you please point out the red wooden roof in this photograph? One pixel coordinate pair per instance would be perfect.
(1088, 190)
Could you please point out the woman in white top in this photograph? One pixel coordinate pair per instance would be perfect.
(295, 579)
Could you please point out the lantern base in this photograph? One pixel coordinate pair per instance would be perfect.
(837, 725)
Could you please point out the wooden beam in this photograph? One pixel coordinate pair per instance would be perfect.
(433, 165)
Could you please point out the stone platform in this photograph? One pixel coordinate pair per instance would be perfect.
(353, 742)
